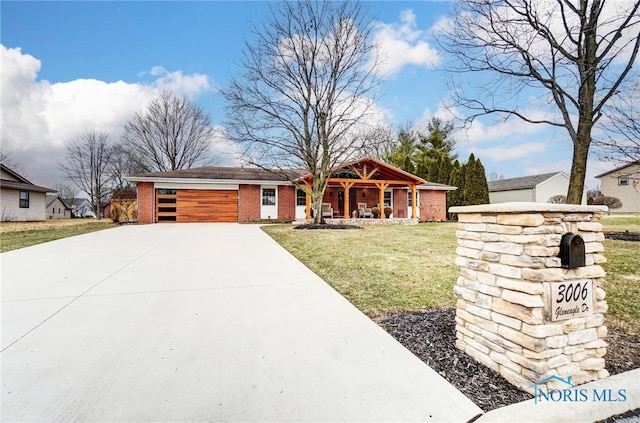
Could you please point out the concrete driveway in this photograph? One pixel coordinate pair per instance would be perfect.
(197, 322)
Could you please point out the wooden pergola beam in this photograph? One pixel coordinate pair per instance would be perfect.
(381, 186)
(347, 186)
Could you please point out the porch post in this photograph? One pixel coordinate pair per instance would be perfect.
(381, 186)
(414, 197)
(308, 203)
(347, 186)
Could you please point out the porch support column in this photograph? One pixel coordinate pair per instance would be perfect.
(381, 186)
(414, 197)
(307, 210)
(347, 186)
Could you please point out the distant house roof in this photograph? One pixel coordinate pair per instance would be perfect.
(619, 168)
(433, 186)
(222, 173)
(523, 182)
(20, 182)
(51, 198)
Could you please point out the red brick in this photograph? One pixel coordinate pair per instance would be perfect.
(146, 202)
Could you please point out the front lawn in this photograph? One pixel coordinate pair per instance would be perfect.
(14, 235)
(388, 268)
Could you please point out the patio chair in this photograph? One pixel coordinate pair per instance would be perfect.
(327, 210)
(364, 211)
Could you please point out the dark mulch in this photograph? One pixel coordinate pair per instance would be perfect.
(326, 226)
(431, 336)
(623, 236)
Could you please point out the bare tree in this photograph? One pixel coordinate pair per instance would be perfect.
(6, 158)
(306, 90)
(171, 133)
(579, 53)
(623, 128)
(86, 165)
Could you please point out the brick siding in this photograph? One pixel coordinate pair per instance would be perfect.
(146, 202)
(249, 203)
(433, 205)
(286, 203)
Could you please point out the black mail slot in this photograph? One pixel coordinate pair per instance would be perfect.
(571, 251)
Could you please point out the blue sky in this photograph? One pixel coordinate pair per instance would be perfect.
(71, 66)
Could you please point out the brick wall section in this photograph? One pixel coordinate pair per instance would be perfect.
(400, 202)
(433, 206)
(249, 200)
(286, 203)
(506, 265)
(146, 202)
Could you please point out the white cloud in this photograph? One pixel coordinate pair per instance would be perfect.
(39, 118)
(402, 44)
(187, 85)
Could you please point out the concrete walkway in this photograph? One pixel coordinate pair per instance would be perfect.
(197, 322)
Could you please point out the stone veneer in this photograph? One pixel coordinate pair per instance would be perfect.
(507, 261)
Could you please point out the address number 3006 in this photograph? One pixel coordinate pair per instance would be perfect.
(571, 292)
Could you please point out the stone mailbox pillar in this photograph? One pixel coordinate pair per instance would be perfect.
(519, 311)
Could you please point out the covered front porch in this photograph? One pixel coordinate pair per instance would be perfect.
(366, 190)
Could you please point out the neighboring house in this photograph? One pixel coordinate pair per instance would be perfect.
(21, 200)
(534, 188)
(623, 183)
(56, 208)
(81, 207)
(241, 194)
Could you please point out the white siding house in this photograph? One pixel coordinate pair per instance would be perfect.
(623, 183)
(534, 188)
(20, 200)
(56, 208)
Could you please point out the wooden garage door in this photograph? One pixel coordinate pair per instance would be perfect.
(194, 205)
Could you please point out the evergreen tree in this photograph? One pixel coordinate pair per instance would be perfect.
(454, 198)
(444, 171)
(432, 147)
(402, 154)
(476, 190)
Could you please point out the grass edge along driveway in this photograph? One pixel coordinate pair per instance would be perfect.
(386, 268)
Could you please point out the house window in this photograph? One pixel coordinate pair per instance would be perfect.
(301, 198)
(623, 180)
(163, 191)
(387, 198)
(268, 196)
(410, 198)
(24, 199)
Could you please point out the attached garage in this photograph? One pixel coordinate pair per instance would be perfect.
(195, 205)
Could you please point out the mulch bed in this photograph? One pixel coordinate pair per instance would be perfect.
(431, 336)
(326, 226)
(623, 236)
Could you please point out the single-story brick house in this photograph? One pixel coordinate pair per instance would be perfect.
(242, 194)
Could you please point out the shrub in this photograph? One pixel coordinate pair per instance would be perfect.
(558, 199)
(611, 202)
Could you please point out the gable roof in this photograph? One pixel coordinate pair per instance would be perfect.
(618, 168)
(522, 182)
(20, 182)
(217, 173)
(370, 170)
(51, 198)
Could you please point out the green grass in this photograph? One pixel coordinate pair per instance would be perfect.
(380, 268)
(623, 223)
(383, 268)
(14, 239)
(623, 284)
